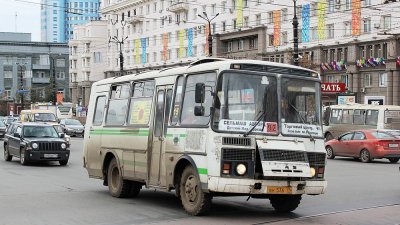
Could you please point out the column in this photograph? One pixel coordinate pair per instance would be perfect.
(389, 89)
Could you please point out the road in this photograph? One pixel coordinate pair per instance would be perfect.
(47, 193)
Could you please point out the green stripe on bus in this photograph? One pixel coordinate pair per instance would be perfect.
(135, 132)
(203, 171)
(172, 135)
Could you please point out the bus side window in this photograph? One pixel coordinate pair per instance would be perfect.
(336, 116)
(372, 117)
(176, 109)
(99, 110)
(141, 102)
(347, 116)
(118, 104)
(359, 116)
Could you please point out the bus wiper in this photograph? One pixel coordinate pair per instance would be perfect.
(254, 126)
(303, 121)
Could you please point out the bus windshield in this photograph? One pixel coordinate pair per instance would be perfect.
(45, 117)
(240, 102)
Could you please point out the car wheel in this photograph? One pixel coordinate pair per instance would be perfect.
(328, 137)
(63, 162)
(393, 160)
(194, 200)
(117, 186)
(22, 157)
(285, 203)
(329, 152)
(365, 156)
(7, 156)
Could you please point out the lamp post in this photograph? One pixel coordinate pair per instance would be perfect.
(295, 36)
(205, 17)
(21, 87)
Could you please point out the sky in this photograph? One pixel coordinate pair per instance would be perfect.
(28, 17)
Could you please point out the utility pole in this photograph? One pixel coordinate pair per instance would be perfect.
(54, 90)
(205, 17)
(120, 43)
(295, 36)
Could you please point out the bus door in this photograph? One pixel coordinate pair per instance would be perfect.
(157, 155)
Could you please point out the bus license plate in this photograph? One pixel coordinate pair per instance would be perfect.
(50, 155)
(279, 190)
(393, 145)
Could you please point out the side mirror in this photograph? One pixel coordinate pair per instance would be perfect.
(17, 135)
(62, 135)
(200, 93)
(199, 110)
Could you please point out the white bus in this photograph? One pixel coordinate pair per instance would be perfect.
(339, 119)
(213, 128)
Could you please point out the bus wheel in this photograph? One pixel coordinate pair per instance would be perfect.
(117, 186)
(365, 156)
(329, 152)
(135, 189)
(328, 137)
(194, 200)
(393, 160)
(285, 203)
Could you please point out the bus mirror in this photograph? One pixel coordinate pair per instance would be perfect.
(199, 111)
(200, 92)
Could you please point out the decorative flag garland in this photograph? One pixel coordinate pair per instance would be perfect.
(305, 17)
(371, 62)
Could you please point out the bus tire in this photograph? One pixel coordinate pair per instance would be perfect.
(328, 137)
(194, 200)
(365, 156)
(117, 186)
(329, 152)
(7, 156)
(393, 160)
(135, 189)
(285, 203)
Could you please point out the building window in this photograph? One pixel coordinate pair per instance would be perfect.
(271, 40)
(386, 22)
(258, 19)
(370, 52)
(253, 43)
(367, 25)
(314, 8)
(382, 79)
(240, 44)
(347, 28)
(234, 24)
(331, 30)
(285, 38)
(233, 4)
(331, 6)
(246, 21)
(194, 13)
(223, 6)
(213, 6)
(366, 2)
(223, 26)
(314, 33)
(367, 80)
(362, 51)
(230, 46)
(331, 79)
(270, 17)
(284, 15)
(348, 4)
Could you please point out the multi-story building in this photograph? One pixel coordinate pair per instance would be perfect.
(59, 16)
(87, 54)
(344, 40)
(39, 64)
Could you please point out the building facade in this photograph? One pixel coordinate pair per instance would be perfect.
(37, 63)
(87, 54)
(354, 42)
(58, 17)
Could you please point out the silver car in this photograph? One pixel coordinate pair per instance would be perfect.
(72, 127)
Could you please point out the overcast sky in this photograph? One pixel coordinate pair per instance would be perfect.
(28, 19)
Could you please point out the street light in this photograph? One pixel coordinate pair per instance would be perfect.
(21, 77)
(295, 36)
(205, 17)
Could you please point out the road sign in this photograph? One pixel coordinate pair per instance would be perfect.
(22, 91)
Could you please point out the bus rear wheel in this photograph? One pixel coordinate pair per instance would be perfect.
(117, 186)
(285, 203)
(194, 200)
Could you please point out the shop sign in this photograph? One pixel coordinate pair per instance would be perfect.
(333, 87)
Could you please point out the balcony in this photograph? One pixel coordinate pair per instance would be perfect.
(135, 19)
(40, 67)
(40, 80)
(178, 7)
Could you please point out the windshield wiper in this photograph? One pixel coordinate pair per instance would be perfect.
(254, 126)
(303, 121)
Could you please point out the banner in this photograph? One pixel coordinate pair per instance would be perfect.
(206, 46)
(137, 51)
(165, 48)
(181, 43)
(190, 42)
(305, 17)
(239, 15)
(60, 96)
(277, 27)
(321, 7)
(143, 50)
(356, 18)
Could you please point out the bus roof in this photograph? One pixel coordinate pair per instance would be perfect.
(207, 64)
(36, 111)
(364, 106)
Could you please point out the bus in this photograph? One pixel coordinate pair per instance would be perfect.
(61, 110)
(213, 128)
(339, 119)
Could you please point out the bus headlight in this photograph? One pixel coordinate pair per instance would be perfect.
(312, 170)
(35, 145)
(241, 169)
(63, 146)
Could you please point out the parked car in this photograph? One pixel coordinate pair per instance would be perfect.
(72, 127)
(60, 130)
(35, 142)
(365, 145)
(9, 120)
(3, 128)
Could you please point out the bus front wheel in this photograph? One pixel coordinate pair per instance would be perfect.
(285, 203)
(194, 200)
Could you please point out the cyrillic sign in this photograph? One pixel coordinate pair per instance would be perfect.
(333, 87)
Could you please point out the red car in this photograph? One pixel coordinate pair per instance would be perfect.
(365, 145)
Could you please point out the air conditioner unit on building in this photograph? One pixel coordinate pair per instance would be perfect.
(362, 90)
(377, 25)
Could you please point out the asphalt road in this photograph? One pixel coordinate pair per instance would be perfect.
(47, 193)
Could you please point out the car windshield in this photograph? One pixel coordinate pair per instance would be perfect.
(45, 117)
(40, 132)
(2, 124)
(72, 122)
(380, 134)
(58, 128)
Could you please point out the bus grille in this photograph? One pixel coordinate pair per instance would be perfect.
(237, 154)
(236, 141)
(316, 159)
(283, 155)
(48, 146)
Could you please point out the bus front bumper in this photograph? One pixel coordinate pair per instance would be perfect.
(262, 187)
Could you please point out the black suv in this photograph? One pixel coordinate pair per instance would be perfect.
(35, 142)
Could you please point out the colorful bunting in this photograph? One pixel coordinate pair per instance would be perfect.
(305, 17)
(334, 66)
(371, 62)
(165, 47)
(143, 50)
(190, 42)
(206, 46)
(277, 27)
(239, 15)
(321, 7)
(356, 18)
